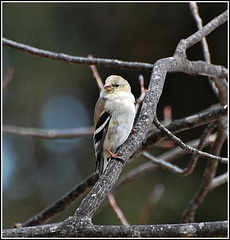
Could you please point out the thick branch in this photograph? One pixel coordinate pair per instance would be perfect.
(203, 229)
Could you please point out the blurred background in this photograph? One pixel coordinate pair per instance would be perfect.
(52, 94)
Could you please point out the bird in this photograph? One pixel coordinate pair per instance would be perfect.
(113, 120)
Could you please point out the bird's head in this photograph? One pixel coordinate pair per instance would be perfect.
(115, 83)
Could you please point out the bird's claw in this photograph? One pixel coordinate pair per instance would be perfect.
(116, 156)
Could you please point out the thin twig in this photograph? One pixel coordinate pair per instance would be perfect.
(186, 147)
(143, 91)
(117, 210)
(96, 75)
(216, 84)
(162, 163)
(203, 139)
(193, 121)
(79, 60)
(195, 13)
(184, 44)
(206, 137)
(49, 133)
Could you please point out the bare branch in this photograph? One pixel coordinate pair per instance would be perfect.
(184, 44)
(196, 120)
(96, 75)
(204, 137)
(71, 196)
(189, 67)
(198, 20)
(219, 86)
(162, 163)
(117, 210)
(50, 133)
(143, 92)
(204, 44)
(79, 60)
(202, 229)
(189, 169)
(186, 147)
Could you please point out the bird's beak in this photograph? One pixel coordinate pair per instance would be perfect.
(108, 87)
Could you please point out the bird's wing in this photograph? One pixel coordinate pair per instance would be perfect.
(101, 122)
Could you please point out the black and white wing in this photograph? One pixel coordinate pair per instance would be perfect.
(101, 122)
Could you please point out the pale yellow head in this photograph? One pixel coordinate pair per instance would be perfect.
(115, 84)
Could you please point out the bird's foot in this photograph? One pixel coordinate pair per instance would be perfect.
(116, 156)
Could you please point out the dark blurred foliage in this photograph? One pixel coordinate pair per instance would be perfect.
(51, 94)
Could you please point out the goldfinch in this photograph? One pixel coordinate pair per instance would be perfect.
(113, 119)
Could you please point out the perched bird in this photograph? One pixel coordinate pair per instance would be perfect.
(113, 119)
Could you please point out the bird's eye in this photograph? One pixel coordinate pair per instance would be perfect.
(116, 85)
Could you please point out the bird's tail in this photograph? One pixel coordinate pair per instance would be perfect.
(102, 162)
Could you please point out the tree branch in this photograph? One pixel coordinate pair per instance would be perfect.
(117, 210)
(190, 122)
(204, 43)
(49, 133)
(79, 60)
(184, 44)
(96, 75)
(193, 67)
(186, 147)
(202, 229)
(189, 169)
